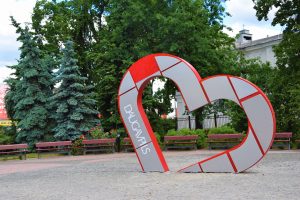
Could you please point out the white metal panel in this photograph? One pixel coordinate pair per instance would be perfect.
(139, 84)
(217, 164)
(261, 119)
(132, 118)
(188, 84)
(242, 88)
(246, 155)
(149, 158)
(166, 61)
(219, 88)
(127, 83)
(192, 169)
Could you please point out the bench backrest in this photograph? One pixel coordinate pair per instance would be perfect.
(53, 144)
(184, 137)
(284, 135)
(13, 146)
(99, 141)
(126, 139)
(225, 136)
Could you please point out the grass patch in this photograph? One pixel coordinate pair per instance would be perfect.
(30, 156)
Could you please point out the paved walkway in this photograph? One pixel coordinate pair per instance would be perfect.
(118, 176)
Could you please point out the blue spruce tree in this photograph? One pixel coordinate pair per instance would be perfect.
(31, 90)
(73, 100)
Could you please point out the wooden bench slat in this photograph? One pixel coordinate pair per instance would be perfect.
(13, 146)
(99, 141)
(99, 145)
(283, 135)
(51, 144)
(282, 139)
(184, 141)
(224, 140)
(18, 149)
(55, 147)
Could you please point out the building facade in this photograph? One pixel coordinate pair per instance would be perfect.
(261, 49)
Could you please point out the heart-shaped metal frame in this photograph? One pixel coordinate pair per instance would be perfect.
(196, 92)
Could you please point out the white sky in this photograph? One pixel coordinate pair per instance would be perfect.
(241, 10)
(243, 14)
(21, 10)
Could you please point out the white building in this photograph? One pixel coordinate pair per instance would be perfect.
(261, 49)
(184, 118)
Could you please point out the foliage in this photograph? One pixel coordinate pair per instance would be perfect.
(78, 20)
(221, 130)
(97, 133)
(5, 137)
(110, 35)
(158, 138)
(73, 100)
(29, 93)
(202, 136)
(161, 126)
(286, 84)
(77, 146)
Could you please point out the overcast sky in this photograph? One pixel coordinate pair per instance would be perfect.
(242, 13)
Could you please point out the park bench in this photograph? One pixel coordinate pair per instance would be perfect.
(14, 149)
(127, 145)
(54, 147)
(99, 145)
(282, 140)
(180, 142)
(223, 140)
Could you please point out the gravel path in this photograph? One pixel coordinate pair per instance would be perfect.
(118, 176)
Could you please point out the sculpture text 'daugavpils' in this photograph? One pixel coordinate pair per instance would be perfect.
(197, 92)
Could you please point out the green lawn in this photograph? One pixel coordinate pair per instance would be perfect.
(29, 156)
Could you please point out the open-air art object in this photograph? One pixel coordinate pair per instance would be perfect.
(197, 92)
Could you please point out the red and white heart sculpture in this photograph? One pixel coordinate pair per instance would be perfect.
(196, 92)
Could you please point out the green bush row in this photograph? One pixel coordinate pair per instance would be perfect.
(221, 130)
(202, 133)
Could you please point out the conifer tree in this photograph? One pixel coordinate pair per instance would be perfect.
(31, 90)
(73, 100)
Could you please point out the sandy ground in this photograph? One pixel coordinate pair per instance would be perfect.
(118, 176)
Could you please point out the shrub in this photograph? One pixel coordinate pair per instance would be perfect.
(77, 146)
(158, 138)
(181, 132)
(221, 130)
(202, 136)
(201, 142)
(97, 133)
(5, 139)
(161, 126)
(5, 136)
